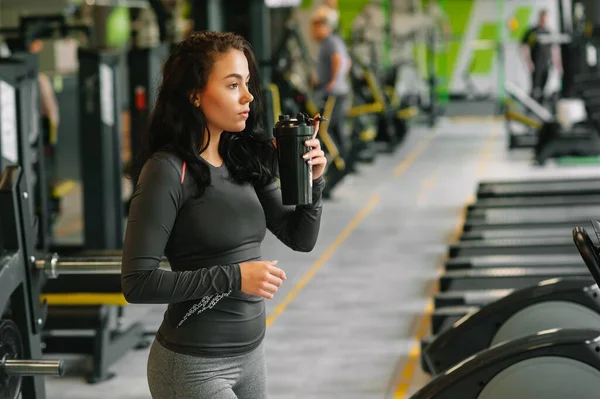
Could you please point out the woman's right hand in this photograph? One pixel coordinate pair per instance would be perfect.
(261, 278)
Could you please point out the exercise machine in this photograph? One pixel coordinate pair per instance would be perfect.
(75, 304)
(519, 189)
(544, 341)
(290, 70)
(392, 113)
(558, 303)
(519, 343)
(550, 139)
(553, 364)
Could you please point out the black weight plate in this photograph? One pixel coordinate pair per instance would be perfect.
(11, 347)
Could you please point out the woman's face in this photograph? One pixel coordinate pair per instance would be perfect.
(226, 100)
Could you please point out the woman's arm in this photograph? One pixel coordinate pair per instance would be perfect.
(297, 227)
(154, 206)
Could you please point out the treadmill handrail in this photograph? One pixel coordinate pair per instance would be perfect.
(524, 99)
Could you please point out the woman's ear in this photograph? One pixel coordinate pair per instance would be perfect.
(195, 99)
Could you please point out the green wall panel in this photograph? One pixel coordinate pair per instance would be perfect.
(306, 4)
(483, 59)
(349, 9)
(521, 16)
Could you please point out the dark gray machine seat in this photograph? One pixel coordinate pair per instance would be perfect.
(556, 364)
(535, 202)
(566, 188)
(515, 233)
(525, 246)
(491, 261)
(561, 303)
(502, 278)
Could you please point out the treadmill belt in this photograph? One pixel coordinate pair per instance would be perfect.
(534, 181)
(544, 246)
(518, 202)
(541, 189)
(491, 261)
(533, 214)
(571, 223)
(558, 221)
(503, 278)
(559, 232)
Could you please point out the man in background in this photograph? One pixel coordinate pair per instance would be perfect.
(539, 55)
(333, 67)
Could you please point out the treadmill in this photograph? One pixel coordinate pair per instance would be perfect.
(507, 246)
(539, 188)
(449, 307)
(504, 261)
(566, 218)
(495, 234)
(523, 212)
(504, 278)
(534, 202)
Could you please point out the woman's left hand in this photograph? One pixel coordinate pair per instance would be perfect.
(316, 156)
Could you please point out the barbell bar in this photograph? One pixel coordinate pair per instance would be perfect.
(24, 368)
(56, 265)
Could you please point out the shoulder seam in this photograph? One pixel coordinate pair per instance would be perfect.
(170, 162)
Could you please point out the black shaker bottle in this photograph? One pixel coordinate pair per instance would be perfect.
(295, 174)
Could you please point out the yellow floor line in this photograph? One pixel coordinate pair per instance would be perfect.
(406, 376)
(323, 258)
(426, 187)
(414, 154)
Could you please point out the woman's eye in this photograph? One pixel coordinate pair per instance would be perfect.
(248, 84)
(233, 86)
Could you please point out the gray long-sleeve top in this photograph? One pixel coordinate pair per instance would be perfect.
(205, 239)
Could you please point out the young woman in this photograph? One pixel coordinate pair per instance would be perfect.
(205, 197)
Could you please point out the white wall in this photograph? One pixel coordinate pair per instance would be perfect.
(514, 68)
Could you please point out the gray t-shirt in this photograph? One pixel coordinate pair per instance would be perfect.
(204, 240)
(333, 44)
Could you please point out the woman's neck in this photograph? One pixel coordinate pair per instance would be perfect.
(211, 153)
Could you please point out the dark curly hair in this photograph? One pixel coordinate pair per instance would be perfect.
(179, 127)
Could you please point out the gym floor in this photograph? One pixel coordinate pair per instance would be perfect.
(348, 321)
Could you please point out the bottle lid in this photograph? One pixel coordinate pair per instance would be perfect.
(286, 122)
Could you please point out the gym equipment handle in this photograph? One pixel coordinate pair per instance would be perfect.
(33, 367)
(56, 265)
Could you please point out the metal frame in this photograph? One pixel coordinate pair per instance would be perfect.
(20, 281)
(100, 148)
(105, 346)
(17, 286)
(145, 70)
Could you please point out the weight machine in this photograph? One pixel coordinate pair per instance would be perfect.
(20, 282)
(290, 69)
(99, 94)
(32, 303)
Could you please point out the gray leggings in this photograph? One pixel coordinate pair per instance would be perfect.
(175, 376)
